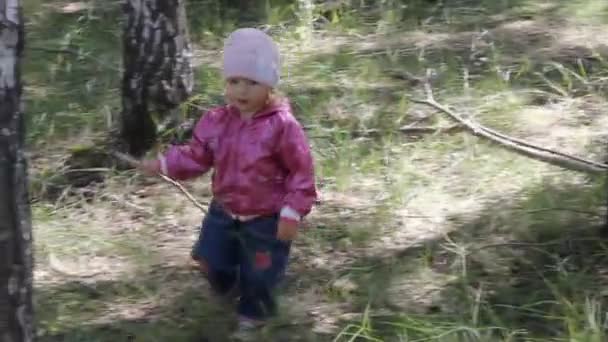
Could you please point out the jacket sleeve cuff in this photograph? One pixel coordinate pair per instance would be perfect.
(288, 213)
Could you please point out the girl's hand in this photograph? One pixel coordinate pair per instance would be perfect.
(149, 167)
(288, 230)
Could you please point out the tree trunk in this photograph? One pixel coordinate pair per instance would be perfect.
(158, 73)
(16, 313)
(305, 14)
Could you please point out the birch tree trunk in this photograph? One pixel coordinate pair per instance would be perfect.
(157, 69)
(16, 313)
(305, 14)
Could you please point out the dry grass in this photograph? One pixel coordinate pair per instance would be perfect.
(414, 235)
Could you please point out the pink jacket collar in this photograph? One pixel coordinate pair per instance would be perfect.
(267, 111)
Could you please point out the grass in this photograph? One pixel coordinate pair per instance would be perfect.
(543, 287)
(72, 64)
(439, 237)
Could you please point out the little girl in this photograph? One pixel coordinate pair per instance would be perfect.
(263, 178)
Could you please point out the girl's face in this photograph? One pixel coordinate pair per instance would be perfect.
(246, 95)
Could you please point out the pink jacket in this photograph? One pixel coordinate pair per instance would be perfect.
(262, 165)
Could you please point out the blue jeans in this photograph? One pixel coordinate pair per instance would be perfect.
(244, 253)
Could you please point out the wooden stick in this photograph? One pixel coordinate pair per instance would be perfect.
(412, 130)
(124, 202)
(518, 145)
(525, 143)
(430, 129)
(533, 244)
(135, 163)
(478, 127)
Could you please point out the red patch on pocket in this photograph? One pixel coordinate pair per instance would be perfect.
(262, 260)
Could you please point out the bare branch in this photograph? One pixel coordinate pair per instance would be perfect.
(573, 210)
(125, 203)
(527, 144)
(518, 145)
(532, 244)
(409, 129)
(430, 129)
(134, 162)
(77, 53)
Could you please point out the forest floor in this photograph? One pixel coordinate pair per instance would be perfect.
(439, 236)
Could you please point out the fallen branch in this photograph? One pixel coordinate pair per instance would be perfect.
(135, 163)
(413, 130)
(409, 130)
(77, 53)
(536, 152)
(527, 144)
(532, 244)
(423, 130)
(573, 210)
(128, 204)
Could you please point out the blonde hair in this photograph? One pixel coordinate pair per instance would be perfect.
(275, 97)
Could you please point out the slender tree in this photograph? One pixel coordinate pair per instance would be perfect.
(157, 69)
(16, 313)
(305, 14)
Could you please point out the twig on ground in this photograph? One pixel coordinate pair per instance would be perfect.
(126, 203)
(540, 148)
(428, 129)
(419, 120)
(518, 145)
(578, 211)
(77, 53)
(56, 50)
(409, 129)
(531, 244)
(552, 85)
(91, 169)
(132, 161)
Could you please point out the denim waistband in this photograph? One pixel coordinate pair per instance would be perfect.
(216, 205)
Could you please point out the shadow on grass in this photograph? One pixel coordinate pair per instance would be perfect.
(548, 277)
(131, 310)
(533, 265)
(166, 304)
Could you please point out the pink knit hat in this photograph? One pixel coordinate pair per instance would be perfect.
(251, 53)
